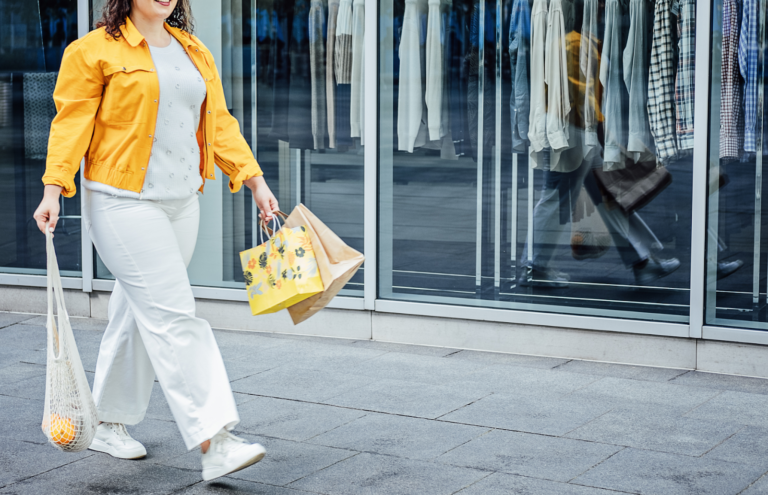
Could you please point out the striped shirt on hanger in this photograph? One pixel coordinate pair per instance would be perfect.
(685, 82)
(748, 65)
(661, 84)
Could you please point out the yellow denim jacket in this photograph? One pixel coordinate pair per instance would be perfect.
(106, 97)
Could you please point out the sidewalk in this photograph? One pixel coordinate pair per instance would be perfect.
(362, 417)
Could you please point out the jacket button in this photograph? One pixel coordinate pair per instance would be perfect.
(123, 68)
(195, 49)
(155, 101)
(209, 144)
(209, 111)
(211, 175)
(150, 135)
(142, 168)
(151, 70)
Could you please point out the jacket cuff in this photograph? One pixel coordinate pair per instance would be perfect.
(68, 187)
(245, 173)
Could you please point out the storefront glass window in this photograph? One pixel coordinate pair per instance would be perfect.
(33, 36)
(737, 234)
(520, 169)
(292, 98)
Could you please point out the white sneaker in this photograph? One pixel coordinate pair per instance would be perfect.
(228, 453)
(114, 439)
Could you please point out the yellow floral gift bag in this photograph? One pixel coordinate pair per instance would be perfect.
(281, 272)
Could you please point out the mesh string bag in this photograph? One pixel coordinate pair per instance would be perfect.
(69, 417)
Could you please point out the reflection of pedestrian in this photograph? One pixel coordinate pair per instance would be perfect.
(144, 103)
(633, 239)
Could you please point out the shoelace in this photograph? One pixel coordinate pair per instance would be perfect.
(224, 437)
(120, 431)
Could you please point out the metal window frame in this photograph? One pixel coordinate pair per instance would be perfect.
(695, 329)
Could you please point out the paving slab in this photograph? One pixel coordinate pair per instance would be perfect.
(421, 350)
(407, 398)
(313, 355)
(22, 460)
(19, 371)
(646, 373)
(369, 474)
(723, 382)
(501, 359)
(8, 319)
(300, 384)
(21, 419)
(622, 390)
(520, 380)
(535, 456)
(647, 472)
(546, 413)
(509, 484)
(400, 436)
(290, 419)
(759, 487)
(749, 446)
(417, 368)
(98, 475)
(23, 343)
(232, 486)
(656, 428)
(287, 461)
(737, 407)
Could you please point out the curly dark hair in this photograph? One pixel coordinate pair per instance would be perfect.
(115, 11)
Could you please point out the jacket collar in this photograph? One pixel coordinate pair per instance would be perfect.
(134, 37)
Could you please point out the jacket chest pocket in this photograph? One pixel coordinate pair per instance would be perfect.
(127, 94)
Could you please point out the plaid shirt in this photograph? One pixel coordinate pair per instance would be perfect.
(685, 83)
(731, 118)
(661, 83)
(748, 65)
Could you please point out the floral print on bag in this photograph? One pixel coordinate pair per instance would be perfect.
(281, 272)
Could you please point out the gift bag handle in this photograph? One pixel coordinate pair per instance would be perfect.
(267, 230)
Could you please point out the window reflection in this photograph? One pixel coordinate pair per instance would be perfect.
(736, 242)
(33, 36)
(547, 177)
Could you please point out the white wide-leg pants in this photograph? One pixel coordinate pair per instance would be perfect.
(152, 328)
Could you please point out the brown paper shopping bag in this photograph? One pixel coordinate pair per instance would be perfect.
(336, 262)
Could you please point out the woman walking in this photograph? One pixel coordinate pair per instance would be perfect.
(140, 98)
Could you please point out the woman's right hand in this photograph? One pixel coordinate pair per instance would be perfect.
(47, 214)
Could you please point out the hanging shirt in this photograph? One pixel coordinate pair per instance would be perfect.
(357, 107)
(317, 61)
(610, 78)
(661, 83)
(639, 141)
(685, 83)
(537, 120)
(556, 77)
(589, 61)
(519, 56)
(343, 55)
(434, 53)
(410, 96)
(731, 133)
(748, 65)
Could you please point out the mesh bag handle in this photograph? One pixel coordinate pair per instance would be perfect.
(69, 416)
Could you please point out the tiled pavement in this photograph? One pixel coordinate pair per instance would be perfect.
(361, 417)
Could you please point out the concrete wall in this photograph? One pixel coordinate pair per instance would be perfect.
(626, 348)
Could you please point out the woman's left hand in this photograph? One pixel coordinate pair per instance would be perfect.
(263, 197)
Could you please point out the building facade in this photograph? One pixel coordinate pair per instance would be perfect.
(573, 178)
